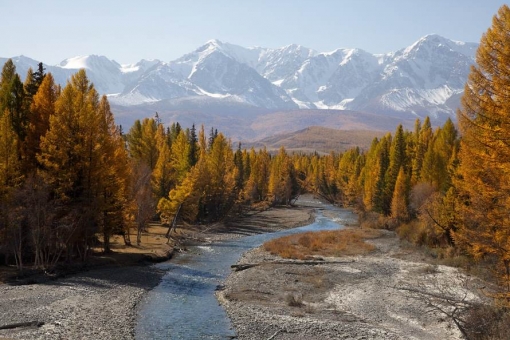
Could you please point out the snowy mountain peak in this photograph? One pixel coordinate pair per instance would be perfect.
(295, 48)
(214, 42)
(142, 65)
(425, 78)
(437, 42)
(88, 62)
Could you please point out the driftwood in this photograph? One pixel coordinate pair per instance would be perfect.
(23, 324)
(244, 266)
(274, 335)
(173, 225)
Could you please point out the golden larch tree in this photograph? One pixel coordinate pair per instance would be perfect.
(483, 180)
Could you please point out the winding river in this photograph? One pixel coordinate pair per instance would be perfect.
(184, 306)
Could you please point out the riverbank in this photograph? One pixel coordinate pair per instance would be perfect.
(101, 303)
(391, 293)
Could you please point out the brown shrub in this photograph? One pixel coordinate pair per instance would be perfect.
(294, 300)
(487, 323)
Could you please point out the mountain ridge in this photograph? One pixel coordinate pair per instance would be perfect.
(424, 78)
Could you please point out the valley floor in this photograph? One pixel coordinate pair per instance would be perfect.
(388, 294)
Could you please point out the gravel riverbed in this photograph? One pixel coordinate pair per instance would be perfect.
(388, 294)
(98, 304)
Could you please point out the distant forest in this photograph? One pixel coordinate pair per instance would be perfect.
(70, 178)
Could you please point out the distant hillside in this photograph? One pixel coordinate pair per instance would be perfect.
(250, 124)
(318, 139)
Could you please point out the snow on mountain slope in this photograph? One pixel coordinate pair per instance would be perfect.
(326, 80)
(186, 64)
(278, 64)
(426, 77)
(419, 79)
(223, 70)
(158, 82)
(105, 73)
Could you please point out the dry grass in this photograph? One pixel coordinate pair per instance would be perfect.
(153, 238)
(324, 243)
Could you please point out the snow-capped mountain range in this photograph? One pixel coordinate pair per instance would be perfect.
(425, 78)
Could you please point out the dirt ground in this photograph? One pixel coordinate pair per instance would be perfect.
(389, 294)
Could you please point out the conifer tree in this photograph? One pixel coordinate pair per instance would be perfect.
(423, 137)
(71, 156)
(10, 167)
(6, 79)
(483, 180)
(400, 200)
(142, 143)
(380, 201)
(179, 157)
(111, 174)
(41, 109)
(282, 181)
(397, 160)
(162, 176)
(239, 164)
(220, 191)
(17, 109)
(193, 147)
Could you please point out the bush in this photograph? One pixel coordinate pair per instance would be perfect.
(487, 323)
(373, 220)
(294, 300)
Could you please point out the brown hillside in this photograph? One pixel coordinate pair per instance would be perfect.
(320, 139)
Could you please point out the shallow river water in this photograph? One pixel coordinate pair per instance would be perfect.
(183, 305)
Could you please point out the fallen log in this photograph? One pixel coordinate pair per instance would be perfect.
(244, 266)
(22, 324)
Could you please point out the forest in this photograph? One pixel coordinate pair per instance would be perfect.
(71, 178)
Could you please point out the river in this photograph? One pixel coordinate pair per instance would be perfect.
(183, 305)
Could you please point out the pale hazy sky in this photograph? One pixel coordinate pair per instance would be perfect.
(129, 30)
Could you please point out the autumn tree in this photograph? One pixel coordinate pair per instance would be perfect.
(282, 181)
(41, 109)
(422, 135)
(142, 142)
(82, 158)
(6, 80)
(256, 188)
(111, 182)
(483, 180)
(400, 199)
(219, 194)
(162, 176)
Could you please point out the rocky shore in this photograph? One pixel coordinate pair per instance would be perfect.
(388, 294)
(98, 304)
